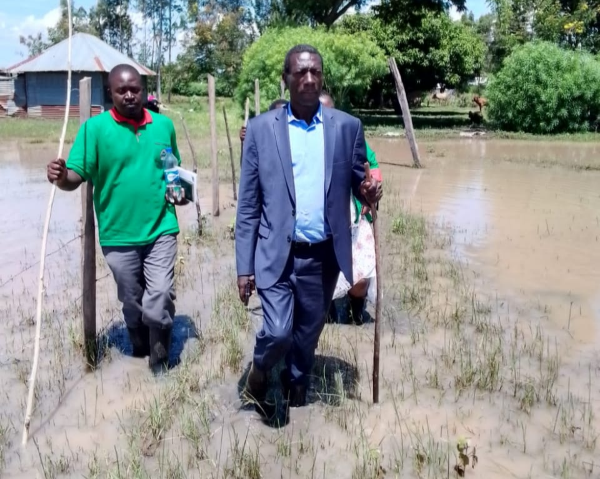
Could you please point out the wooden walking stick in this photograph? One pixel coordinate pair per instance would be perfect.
(376, 346)
(40, 295)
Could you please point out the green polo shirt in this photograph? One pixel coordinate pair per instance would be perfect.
(123, 162)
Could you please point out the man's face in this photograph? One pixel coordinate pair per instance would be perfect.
(305, 79)
(126, 92)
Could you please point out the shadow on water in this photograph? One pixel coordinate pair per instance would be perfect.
(116, 336)
(329, 374)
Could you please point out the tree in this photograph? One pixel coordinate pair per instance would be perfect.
(34, 44)
(81, 23)
(216, 45)
(163, 28)
(350, 62)
(545, 89)
(111, 20)
(281, 13)
(428, 46)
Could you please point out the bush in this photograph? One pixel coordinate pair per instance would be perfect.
(350, 63)
(544, 89)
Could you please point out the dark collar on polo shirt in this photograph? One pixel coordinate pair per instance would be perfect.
(146, 118)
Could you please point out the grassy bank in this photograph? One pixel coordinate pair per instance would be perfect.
(431, 123)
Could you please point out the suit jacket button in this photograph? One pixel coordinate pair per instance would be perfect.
(289, 239)
(293, 212)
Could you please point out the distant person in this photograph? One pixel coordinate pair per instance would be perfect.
(119, 151)
(276, 104)
(152, 104)
(363, 245)
(292, 233)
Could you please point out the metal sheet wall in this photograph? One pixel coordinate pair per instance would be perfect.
(49, 88)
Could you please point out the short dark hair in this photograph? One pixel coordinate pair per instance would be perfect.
(123, 67)
(302, 48)
(278, 104)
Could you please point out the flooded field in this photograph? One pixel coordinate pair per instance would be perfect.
(491, 324)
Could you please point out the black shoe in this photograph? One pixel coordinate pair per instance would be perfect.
(331, 317)
(357, 308)
(256, 385)
(140, 341)
(295, 395)
(160, 343)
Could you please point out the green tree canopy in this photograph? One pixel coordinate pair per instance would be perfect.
(429, 47)
(350, 62)
(545, 89)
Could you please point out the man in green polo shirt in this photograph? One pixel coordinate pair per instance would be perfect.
(119, 151)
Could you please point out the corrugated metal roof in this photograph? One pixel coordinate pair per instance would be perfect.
(88, 54)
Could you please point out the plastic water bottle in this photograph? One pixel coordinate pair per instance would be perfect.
(169, 161)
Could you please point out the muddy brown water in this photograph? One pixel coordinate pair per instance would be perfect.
(525, 225)
(529, 230)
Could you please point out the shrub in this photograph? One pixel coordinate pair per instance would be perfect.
(544, 89)
(350, 62)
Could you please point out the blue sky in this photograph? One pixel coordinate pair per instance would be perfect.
(17, 19)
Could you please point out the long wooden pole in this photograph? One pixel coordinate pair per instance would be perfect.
(246, 117)
(402, 99)
(40, 293)
(88, 242)
(247, 112)
(195, 169)
(376, 344)
(256, 97)
(230, 154)
(282, 88)
(213, 145)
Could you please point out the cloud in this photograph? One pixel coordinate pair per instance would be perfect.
(12, 26)
(31, 24)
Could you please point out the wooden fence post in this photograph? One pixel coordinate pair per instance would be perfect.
(256, 97)
(213, 145)
(408, 126)
(195, 169)
(88, 242)
(230, 154)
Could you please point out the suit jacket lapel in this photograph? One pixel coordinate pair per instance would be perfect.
(329, 138)
(282, 139)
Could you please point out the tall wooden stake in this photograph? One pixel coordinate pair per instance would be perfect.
(247, 112)
(230, 154)
(282, 87)
(256, 98)
(376, 346)
(246, 117)
(88, 241)
(195, 169)
(213, 145)
(408, 126)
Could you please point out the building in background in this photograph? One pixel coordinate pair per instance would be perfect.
(39, 84)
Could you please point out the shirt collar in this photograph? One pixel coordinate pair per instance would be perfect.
(146, 118)
(318, 118)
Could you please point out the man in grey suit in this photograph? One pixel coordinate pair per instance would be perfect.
(292, 236)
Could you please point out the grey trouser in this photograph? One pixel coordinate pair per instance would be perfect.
(145, 281)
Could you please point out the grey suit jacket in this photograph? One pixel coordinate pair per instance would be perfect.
(266, 202)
